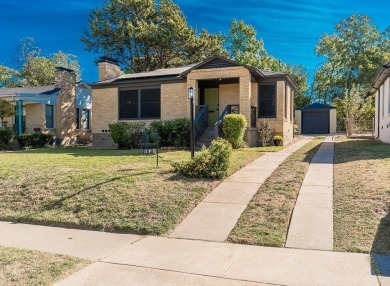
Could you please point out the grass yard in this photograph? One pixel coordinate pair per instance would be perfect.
(362, 196)
(109, 190)
(33, 268)
(266, 219)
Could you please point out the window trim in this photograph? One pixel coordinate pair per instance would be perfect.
(53, 117)
(275, 100)
(138, 103)
(286, 88)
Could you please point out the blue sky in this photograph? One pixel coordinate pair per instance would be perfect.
(290, 29)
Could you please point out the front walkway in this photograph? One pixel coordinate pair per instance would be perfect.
(311, 225)
(215, 217)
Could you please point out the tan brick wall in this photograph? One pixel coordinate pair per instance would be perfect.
(35, 115)
(228, 94)
(104, 108)
(65, 110)
(254, 93)
(174, 101)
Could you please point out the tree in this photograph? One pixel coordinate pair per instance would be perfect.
(8, 76)
(34, 69)
(144, 35)
(244, 47)
(352, 57)
(6, 110)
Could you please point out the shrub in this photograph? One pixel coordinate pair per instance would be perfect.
(34, 140)
(208, 163)
(233, 127)
(295, 129)
(172, 133)
(6, 135)
(127, 134)
(265, 133)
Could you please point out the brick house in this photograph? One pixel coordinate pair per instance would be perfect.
(381, 88)
(62, 109)
(222, 86)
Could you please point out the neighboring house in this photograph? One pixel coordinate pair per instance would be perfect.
(221, 87)
(381, 87)
(62, 109)
(316, 118)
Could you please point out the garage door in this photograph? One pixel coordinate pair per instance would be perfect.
(315, 122)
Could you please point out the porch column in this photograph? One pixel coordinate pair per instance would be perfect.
(19, 127)
(245, 97)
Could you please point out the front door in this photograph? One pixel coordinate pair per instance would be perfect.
(211, 98)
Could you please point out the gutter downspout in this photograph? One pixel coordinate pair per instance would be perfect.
(379, 106)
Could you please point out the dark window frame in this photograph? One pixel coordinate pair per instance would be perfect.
(52, 117)
(139, 103)
(259, 105)
(78, 118)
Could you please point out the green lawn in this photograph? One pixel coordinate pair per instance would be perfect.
(33, 268)
(362, 196)
(109, 190)
(266, 219)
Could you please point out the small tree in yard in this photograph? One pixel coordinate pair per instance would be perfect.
(6, 110)
(265, 133)
(234, 129)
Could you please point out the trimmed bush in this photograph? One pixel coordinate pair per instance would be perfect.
(208, 163)
(172, 133)
(6, 135)
(34, 140)
(233, 127)
(265, 133)
(127, 134)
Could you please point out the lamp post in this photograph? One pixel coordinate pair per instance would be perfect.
(191, 98)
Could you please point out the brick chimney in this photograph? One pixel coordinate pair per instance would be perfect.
(108, 68)
(65, 109)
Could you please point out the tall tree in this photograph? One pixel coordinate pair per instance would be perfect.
(144, 35)
(244, 46)
(35, 69)
(352, 55)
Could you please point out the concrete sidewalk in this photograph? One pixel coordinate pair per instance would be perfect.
(311, 225)
(214, 218)
(122, 259)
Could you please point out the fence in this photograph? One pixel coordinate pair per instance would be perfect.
(356, 127)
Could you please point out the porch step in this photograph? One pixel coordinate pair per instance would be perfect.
(206, 138)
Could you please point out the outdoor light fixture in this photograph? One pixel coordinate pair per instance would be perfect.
(191, 93)
(191, 98)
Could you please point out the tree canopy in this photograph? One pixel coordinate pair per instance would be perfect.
(6, 110)
(145, 35)
(352, 56)
(34, 69)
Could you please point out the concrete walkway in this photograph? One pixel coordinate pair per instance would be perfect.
(214, 218)
(311, 225)
(121, 259)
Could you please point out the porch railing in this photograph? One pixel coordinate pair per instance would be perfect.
(253, 116)
(229, 109)
(201, 121)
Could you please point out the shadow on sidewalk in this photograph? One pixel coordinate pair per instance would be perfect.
(380, 251)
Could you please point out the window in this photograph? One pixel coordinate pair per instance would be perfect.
(77, 118)
(140, 103)
(49, 110)
(267, 101)
(85, 119)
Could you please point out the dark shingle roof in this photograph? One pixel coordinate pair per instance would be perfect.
(317, 105)
(32, 90)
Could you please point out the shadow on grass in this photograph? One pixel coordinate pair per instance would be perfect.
(380, 251)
